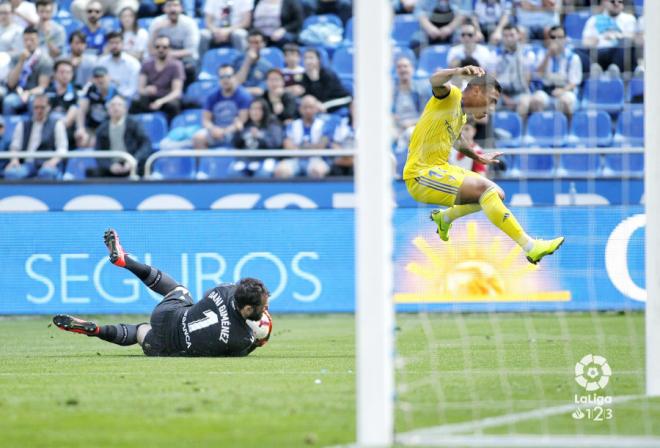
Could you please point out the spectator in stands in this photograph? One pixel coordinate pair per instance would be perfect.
(4, 142)
(135, 38)
(438, 19)
(279, 20)
(470, 47)
(493, 16)
(94, 33)
(610, 36)
(403, 6)
(183, 32)
(323, 83)
(341, 8)
(513, 70)
(293, 70)
(281, 103)
(161, 82)
(52, 35)
(91, 107)
(62, 96)
(40, 132)
(307, 132)
(343, 137)
(251, 68)
(227, 22)
(261, 131)
(83, 61)
(124, 134)
(560, 71)
(124, 69)
(111, 7)
(225, 112)
(410, 96)
(24, 14)
(536, 16)
(30, 74)
(11, 35)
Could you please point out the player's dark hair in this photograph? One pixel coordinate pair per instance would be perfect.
(509, 27)
(256, 32)
(114, 35)
(44, 3)
(79, 34)
(249, 292)
(485, 82)
(224, 66)
(62, 61)
(30, 30)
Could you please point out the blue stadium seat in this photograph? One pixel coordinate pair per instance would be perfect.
(347, 82)
(214, 167)
(145, 22)
(548, 128)
(63, 8)
(10, 123)
(213, 59)
(430, 59)
(348, 32)
(70, 25)
(404, 28)
(591, 128)
(273, 55)
(198, 91)
(155, 125)
(629, 133)
(508, 129)
(110, 23)
(630, 127)
(189, 117)
(322, 18)
(635, 91)
(639, 7)
(342, 61)
(174, 168)
(574, 24)
(76, 169)
(603, 94)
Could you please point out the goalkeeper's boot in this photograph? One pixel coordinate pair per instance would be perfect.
(437, 216)
(75, 325)
(116, 252)
(542, 248)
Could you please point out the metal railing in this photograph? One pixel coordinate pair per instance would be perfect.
(244, 153)
(81, 154)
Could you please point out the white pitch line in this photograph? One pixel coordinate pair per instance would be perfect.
(539, 441)
(501, 420)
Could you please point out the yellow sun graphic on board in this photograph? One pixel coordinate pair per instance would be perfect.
(477, 266)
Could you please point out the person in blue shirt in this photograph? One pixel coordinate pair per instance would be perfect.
(93, 30)
(225, 112)
(251, 68)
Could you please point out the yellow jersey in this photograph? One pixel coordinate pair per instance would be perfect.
(435, 133)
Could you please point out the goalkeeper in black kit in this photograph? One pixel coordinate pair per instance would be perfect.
(214, 326)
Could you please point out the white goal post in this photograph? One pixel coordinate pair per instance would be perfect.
(652, 192)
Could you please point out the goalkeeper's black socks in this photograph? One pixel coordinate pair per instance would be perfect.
(155, 280)
(120, 334)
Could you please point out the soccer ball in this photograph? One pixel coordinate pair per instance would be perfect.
(261, 328)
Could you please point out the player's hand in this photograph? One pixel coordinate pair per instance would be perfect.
(490, 158)
(471, 70)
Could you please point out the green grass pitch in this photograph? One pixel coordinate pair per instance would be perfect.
(61, 389)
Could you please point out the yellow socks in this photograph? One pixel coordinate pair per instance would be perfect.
(499, 215)
(457, 211)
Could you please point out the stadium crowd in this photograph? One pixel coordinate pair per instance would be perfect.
(148, 76)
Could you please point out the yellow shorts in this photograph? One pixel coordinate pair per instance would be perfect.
(438, 184)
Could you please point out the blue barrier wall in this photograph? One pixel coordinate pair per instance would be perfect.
(277, 195)
(55, 261)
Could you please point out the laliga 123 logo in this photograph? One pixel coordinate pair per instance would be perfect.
(593, 373)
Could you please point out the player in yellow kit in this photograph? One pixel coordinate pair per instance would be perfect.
(431, 179)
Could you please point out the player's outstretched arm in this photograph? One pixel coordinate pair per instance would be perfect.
(440, 79)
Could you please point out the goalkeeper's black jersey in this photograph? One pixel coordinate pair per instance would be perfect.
(214, 326)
